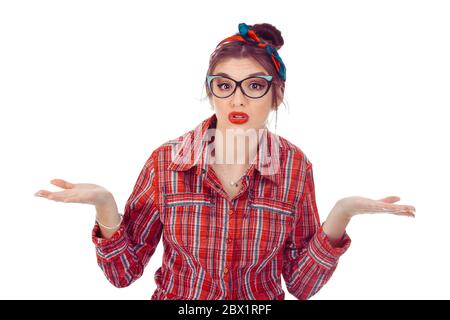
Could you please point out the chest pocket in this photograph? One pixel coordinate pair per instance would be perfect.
(186, 219)
(268, 223)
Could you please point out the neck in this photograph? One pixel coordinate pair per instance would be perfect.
(235, 147)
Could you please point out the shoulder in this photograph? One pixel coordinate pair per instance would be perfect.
(172, 145)
(166, 151)
(290, 152)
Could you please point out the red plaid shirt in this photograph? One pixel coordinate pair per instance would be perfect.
(216, 247)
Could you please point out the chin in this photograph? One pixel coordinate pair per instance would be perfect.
(245, 127)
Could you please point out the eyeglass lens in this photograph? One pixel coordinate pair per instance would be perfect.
(253, 87)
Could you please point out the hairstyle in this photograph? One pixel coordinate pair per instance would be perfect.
(239, 49)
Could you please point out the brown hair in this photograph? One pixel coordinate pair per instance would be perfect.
(239, 49)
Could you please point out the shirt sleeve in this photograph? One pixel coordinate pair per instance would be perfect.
(124, 256)
(309, 258)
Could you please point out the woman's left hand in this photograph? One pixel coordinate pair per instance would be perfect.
(352, 206)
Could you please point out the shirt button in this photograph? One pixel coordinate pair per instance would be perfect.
(229, 240)
(225, 270)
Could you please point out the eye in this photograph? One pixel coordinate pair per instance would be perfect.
(223, 86)
(256, 86)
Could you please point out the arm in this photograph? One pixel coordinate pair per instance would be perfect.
(312, 252)
(108, 215)
(334, 226)
(310, 257)
(122, 255)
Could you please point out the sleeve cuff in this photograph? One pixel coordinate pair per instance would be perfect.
(321, 249)
(109, 248)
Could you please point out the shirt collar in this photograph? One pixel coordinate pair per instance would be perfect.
(193, 151)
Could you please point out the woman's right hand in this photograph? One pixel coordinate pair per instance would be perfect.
(78, 193)
(88, 193)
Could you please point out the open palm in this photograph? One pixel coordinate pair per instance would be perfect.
(76, 192)
(359, 205)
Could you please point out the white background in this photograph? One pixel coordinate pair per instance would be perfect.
(88, 89)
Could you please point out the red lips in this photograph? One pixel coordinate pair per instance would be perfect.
(238, 117)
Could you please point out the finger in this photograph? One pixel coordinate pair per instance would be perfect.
(390, 199)
(402, 213)
(60, 195)
(388, 209)
(62, 183)
(384, 207)
(68, 196)
(42, 193)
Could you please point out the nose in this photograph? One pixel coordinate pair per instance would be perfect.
(238, 97)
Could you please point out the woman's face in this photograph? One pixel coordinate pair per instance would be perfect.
(256, 110)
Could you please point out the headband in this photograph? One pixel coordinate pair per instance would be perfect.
(247, 35)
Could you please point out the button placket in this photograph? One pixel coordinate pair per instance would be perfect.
(229, 254)
(229, 239)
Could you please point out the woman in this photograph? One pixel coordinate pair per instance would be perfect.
(233, 202)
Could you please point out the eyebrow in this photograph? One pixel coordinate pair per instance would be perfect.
(250, 75)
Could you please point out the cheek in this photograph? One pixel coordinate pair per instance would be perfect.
(265, 106)
(219, 106)
(261, 113)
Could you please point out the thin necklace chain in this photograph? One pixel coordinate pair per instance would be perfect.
(235, 184)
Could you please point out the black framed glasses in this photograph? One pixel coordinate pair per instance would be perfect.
(253, 87)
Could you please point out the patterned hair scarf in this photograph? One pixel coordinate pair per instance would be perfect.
(246, 34)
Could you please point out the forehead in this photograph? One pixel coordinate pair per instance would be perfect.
(239, 68)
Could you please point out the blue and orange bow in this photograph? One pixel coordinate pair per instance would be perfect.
(246, 34)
